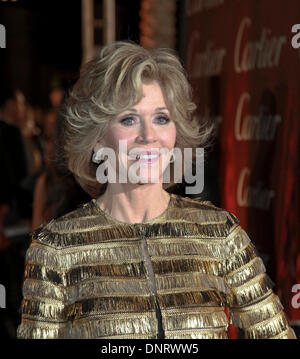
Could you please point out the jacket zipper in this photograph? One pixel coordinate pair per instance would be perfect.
(151, 277)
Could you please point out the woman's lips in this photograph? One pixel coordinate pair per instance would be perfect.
(149, 160)
(145, 156)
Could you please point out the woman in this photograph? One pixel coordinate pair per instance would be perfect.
(137, 261)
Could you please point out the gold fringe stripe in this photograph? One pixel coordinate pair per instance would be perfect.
(104, 327)
(268, 328)
(79, 274)
(190, 299)
(246, 272)
(256, 313)
(184, 281)
(250, 292)
(220, 333)
(111, 304)
(196, 320)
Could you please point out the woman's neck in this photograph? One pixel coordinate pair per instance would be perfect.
(139, 204)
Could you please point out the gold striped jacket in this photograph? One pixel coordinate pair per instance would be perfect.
(88, 275)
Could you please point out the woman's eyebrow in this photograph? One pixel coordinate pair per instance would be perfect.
(160, 109)
(156, 110)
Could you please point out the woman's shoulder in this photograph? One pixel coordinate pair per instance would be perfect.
(57, 232)
(203, 211)
(210, 222)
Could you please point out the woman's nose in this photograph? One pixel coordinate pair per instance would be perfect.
(147, 134)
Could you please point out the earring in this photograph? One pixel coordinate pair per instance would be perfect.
(97, 156)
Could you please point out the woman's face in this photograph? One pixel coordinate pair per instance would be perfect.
(147, 127)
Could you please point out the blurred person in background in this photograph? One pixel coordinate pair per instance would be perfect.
(56, 96)
(55, 193)
(12, 161)
(13, 171)
(41, 211)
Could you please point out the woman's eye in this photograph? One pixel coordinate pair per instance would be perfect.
(130, 120)
(163, 120)
(127, 121)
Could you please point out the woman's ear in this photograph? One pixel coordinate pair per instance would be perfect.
(97, 147)
(99, 144)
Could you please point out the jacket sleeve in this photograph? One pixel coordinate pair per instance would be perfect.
(253, 305)
(44, 297)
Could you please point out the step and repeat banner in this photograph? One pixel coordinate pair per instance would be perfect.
(243, 61)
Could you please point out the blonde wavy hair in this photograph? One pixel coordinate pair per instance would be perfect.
(111, 83)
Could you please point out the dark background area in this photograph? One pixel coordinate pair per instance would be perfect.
(43, 43)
